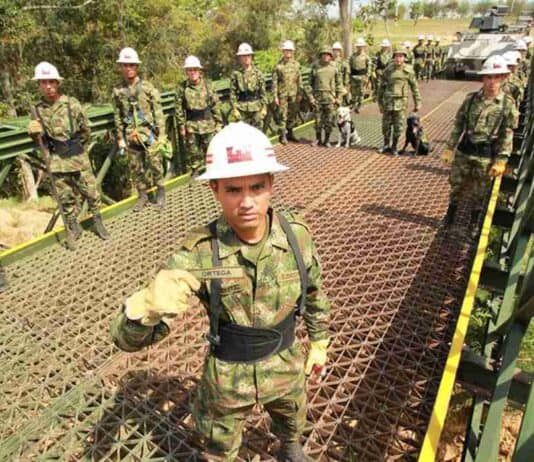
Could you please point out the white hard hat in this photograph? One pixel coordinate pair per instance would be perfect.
(128, 56)
(494, 65)
(192, 62)
(407, 44)
(437, 39)
(337, 46)
(240, 150)
(385, 43)
(244, 50)
(430, 37)
(527, 39)
(520, 45)
(361, 42)
(288, 45)
(420, 37)
(511, 58)
(46, 71)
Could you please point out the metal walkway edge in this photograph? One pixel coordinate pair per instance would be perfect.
(395, 277)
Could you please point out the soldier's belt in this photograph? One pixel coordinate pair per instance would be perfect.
(476, 149)
(195, 115)
(358, 71)
(242, 344)
(246, 96)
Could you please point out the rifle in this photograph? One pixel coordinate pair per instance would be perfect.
(71, 245)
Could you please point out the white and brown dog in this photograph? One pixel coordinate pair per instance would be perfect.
(348, 135)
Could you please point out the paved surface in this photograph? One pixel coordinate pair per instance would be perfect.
(396, 281)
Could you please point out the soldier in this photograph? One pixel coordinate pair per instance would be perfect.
(419, 53)
(198, 114)
(429, 58)
(344, 71)
(528, 41)
(324, 94)
(360, 69)
(512, 85)
(524, 64)
(140, 128)
(438, 55)
(286, 88)
(382, 58)
(65, 128)
(409, 53)
(247, 90)
(393, 99)
(480, 142)
(254, 270)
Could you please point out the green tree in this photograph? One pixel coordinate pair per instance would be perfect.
(416, 11)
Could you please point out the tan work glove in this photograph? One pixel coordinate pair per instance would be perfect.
(166, 296)
(447, 156)
(35, 128)
(316, 358)
(263, 112)
(236, 114)
(498, 168)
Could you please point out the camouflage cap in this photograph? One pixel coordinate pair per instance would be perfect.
(326, 50)
(399, 50)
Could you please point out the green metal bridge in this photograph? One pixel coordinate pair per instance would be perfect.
(402, 289)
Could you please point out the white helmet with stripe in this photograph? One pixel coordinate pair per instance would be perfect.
(128, 56)
(46, 71)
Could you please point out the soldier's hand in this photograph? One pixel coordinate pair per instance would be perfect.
(316, 358)
(165, 297)
(447, 156)
(276, 101)
(299, 98)
(236, 114)
(35, 128)
(416, 108)
(121, 144)
(263, 112)
(182, 132)
(498, 168)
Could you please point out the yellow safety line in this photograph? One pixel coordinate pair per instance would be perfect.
(430, 443)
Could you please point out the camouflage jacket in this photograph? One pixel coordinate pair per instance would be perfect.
(258, 293)
(325, 83)
(430, 52)
(343, 68)
(394, 87)
(409, 57)
(148, 114)
(61, 126)
(287, 78)
(359, 63)
(513, 87)
(190, 100)
(486, 120)
(419, 52)
(247, 90)
(382, 59)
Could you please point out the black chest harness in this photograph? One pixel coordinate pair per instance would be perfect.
(242, 344)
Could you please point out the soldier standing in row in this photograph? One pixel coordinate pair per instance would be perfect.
(256, 271)
(512, 85)
(324, 95)
(140, 128)
(429, 58)
(439, 55)
(409, 53)
(287, 89)
(360, 69)
(382, 58)
(344, 71)
(481, 141)
(419, 53)
(524, 64)
(65, 129)
(198, 114)
(247, 90)
(397, 81)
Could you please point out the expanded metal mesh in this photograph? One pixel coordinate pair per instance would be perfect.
(394, 276)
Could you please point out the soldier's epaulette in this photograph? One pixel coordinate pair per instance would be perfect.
(296, 219)
(195, 236)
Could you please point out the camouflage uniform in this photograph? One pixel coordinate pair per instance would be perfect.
(481, 120)
(393, 100)
(148, 121)
(429, 61)
(513, 87)
(382, 58)
(439, 54)
(287, 85)
(360, 67)
(248, 96)
(409, 57)
(198, 112)
(420, 53)
(64, 120)
(343, 67)
(266, 294)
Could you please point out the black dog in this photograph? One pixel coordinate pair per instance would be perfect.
(416, 137)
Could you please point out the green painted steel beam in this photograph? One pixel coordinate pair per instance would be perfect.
(524, 448)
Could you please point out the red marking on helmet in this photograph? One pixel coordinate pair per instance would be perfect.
(46, 71)
(497, 66)
(209, 158)
(237, 155)
(270, 152)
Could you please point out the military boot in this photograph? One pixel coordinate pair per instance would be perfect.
(74, 227)
(394, 147)
(160, 197)
(385, 147)
(451, 214)
(356, 108)
(291, 136)
(283, 137)
(99, 228)
(317, 141)
(327, 139)
(292, 452)
(474, 223)
(142, 200)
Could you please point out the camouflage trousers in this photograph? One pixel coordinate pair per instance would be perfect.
(429, 69)
(393, 122)
(222, 428)
(419, 69)
(253, 118)
(288, 112)
(469, 177)
(74, 185)
(196, 145)
(325, 117)
(357, 89)
(146, 168)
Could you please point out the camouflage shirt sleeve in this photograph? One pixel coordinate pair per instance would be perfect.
(415, 90)
(459, 124)
(505, 134)
(157, 110)
(261, 88)
(117, 117)
(215, 105)
(179, 106)
(234, 88)
(339, 85)
(81, 121)
(274, 81)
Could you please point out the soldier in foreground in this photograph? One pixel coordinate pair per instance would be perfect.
(481, 141)
(64, 127)
(271, 276)
(324, 95)
(287, 88)
(247, 90)
(397, 81)
(140, 128)
(198, 113)
(360, 69)
(344, 71)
